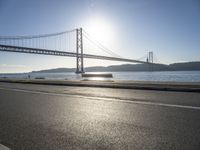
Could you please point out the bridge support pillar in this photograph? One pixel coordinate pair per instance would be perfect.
(150, 60)
(151, 57)
(79, 51)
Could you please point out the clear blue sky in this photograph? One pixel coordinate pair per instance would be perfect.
(169, 28)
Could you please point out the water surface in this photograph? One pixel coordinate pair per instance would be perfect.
(178, 76)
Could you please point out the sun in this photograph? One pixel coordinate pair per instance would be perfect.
(101, 30)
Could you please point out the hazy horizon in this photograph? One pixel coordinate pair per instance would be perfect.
(183, 64)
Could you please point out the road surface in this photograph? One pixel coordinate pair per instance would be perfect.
(62, 117)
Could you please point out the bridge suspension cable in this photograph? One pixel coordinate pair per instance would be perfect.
(53, 41)
(143, 58)
(99, 45)
(34, 36)
(156, 60)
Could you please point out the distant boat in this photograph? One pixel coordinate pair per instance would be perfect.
(41, 78)
(103, 75)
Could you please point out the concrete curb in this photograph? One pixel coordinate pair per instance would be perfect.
(142, 85)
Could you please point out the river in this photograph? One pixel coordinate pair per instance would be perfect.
(177, 76)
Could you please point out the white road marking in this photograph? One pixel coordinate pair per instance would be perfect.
(2, 147)
(137, 101)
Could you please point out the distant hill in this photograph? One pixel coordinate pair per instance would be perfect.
(186, 66)
(56, 70)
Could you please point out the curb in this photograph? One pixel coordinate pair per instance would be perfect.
(158, 86)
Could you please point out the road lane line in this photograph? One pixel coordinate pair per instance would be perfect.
(2, 147)
(136, 101)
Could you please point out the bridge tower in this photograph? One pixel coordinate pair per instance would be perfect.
(150, 57)
(150, 60)
(79, 51)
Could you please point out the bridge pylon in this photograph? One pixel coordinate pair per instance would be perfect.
(150, 60)
(79, 51)
(150, 57)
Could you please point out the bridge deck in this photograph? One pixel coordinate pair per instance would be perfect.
(18, 49)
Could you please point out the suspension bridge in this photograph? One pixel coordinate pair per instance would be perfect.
(68, 44)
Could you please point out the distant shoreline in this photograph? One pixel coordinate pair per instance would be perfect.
(186, 66)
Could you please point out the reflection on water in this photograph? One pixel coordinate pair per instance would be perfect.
(178, 76)
(95, 79)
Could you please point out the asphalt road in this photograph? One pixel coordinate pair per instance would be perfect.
(61, 117)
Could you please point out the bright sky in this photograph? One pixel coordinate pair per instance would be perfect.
(130, 28)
